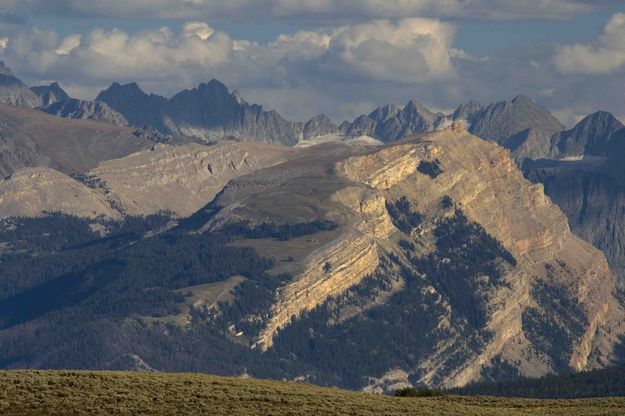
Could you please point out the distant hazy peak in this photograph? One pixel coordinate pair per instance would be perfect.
(501, 120)
(213, 83)
(385, 112)
(594, 135)
(523, 99)
(466, 111)
(604, 117)
(319, 125)
(416, 105)
(15, 92)
(130, 89)
(320, 118)
(50, 93)
(5, 70)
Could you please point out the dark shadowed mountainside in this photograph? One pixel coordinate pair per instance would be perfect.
(32, 138)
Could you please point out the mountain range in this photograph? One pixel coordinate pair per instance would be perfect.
(203, 233)
(211, 112)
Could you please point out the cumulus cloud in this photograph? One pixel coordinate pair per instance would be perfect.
(105, 55)
(411, 51)
(328, 9)
(604, 56)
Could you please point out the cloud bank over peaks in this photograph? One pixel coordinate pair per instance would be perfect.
(405, 51)
(344, 70)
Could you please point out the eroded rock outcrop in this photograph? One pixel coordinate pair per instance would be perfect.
(180, 179)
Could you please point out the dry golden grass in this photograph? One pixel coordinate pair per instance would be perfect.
(120, 393)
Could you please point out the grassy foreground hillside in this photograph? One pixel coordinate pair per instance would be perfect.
(95, 393)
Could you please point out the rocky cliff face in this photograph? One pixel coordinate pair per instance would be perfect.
(592, 195)
(180, 179)
(527, 224)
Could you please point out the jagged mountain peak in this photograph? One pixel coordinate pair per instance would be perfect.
(391, 122)
(207, 93)
(490, 191)
(212, 87)
(137, 107)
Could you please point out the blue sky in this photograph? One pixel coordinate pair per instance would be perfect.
(341, 57)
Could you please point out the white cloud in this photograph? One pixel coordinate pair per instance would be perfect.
(327, 9)
(68, 44)
(604, 56)
(199, 29)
